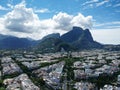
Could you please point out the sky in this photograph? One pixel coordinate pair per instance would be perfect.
(37, 18)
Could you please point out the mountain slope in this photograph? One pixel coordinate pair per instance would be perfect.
(53, 45)
(53, 35)
(80, 39)
(11, 42)
(72, 35)
(76, 39)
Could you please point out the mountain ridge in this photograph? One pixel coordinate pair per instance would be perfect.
(75, 39)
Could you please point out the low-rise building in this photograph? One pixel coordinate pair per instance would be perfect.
(10, 68)
(110, 87)
(20, 82)
(0, 75)
(85, 86)
(79, 74)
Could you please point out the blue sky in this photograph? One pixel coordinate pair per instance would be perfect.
(37, 18)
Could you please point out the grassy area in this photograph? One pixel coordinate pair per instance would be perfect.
(2, 88)
(1, 84)
(48, 63)
(103, 79)
(68, 68)
(10, 76)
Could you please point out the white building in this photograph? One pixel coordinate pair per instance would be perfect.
(118, 79)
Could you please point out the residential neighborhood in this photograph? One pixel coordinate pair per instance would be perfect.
(21, 82)
(85, 70)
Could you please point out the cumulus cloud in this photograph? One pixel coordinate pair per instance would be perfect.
(63, 21)
(66, 22)
(82, 21)
(24, 22)
(21, 19)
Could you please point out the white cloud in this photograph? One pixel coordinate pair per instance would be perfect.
(107, 36)
(3, 8)
(102, 3)
(109, 25)
(95, 3)
(82, 21)
(66, 22)
(44, 10)
(117, 5)
(2, 28)
(21, 19)
(63, 21)
(90, 2)
(23, 22)
(10, 5)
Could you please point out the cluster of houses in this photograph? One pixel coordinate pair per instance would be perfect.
(96, 64)
(93, 64)
(9, 66)
(110, 87)
(32, 61)
(84, 86)
(22, 82)
(51, 74)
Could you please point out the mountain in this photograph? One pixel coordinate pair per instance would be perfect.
(53, 35)
(3, 36)
(76, 39)
(80, 39)
(11, 42)
(72, 35)
(52, 44)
